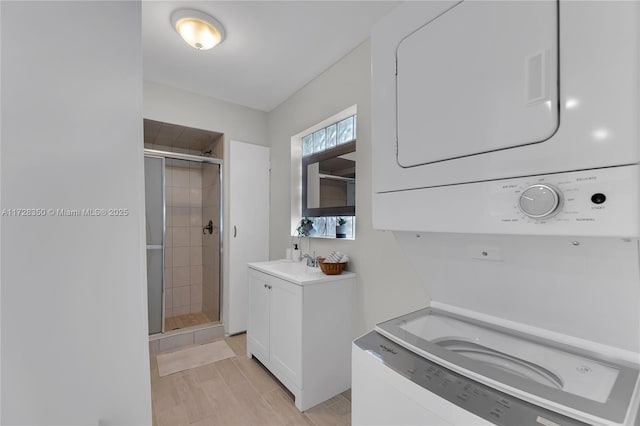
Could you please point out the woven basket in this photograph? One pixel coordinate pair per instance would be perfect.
(331, 268)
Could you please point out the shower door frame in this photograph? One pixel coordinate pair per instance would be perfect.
(199, 159)
(164, 232)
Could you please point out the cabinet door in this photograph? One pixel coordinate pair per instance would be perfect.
(286, 329)
(258, 324)
(248, 232)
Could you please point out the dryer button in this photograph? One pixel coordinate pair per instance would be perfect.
(598, 198)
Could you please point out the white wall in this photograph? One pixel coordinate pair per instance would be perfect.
(386, 285)
(74, 322)
(0, 220)
(171, 105)
(239, 123)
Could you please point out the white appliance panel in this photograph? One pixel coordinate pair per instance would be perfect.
(381, 396)
(493, 207)
(463, 88)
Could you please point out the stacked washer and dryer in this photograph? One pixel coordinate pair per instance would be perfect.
(506, 151)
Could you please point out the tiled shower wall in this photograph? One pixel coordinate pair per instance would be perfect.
(210, 249)
(183, 255)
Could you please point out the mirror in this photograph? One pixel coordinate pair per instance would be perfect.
(329, 182)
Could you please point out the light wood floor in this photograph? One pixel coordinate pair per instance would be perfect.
(235, 391)
(188, 320)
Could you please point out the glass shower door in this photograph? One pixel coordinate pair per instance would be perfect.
(154, 207)
(211, 214)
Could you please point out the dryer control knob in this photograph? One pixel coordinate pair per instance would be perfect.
(540, 201)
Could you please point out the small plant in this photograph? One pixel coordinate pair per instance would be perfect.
(304, 227)
(341, 228)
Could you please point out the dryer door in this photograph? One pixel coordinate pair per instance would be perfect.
(481, 77)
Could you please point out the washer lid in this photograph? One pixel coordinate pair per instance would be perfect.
(481, 77)
(537, 368)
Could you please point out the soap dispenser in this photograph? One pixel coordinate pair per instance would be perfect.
(296, 253)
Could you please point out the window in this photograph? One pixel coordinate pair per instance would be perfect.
(328, 137)
(327, 227)
(324, 176)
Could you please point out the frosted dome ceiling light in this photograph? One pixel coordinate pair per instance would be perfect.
(198, 29)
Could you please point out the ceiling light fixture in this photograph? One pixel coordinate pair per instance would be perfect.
(198, 29)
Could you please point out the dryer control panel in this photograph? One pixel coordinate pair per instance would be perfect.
(597, 202)
(590, 197)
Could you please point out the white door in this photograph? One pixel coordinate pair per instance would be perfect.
(285, 326)
(248, 225)
(258, 323)
(479, 78)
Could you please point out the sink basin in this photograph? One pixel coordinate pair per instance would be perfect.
(297, 272)
(287, 267)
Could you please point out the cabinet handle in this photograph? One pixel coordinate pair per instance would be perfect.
(235, 231)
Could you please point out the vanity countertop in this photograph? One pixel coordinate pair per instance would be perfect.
(297, 272)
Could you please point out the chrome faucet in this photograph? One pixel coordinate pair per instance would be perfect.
(311, 260)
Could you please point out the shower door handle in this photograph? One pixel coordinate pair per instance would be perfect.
(209, 228)
(235, 231)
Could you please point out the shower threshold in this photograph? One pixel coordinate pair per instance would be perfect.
(182, 337)
(184, 321)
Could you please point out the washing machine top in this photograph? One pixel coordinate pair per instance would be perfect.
(569, 380)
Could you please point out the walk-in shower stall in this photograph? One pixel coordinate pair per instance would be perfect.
(184, 223)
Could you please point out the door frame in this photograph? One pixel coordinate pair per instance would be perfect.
(164, 232)
(154, 153)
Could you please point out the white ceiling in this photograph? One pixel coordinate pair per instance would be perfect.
(272, 49)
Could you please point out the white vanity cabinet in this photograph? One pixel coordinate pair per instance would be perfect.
(300, 327)
(275, 318)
